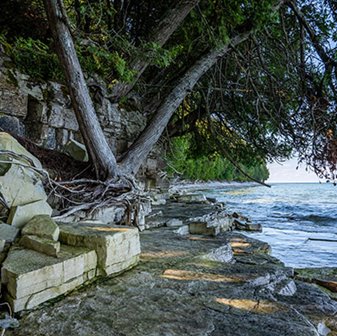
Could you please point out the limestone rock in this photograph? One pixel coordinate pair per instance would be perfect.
(183, 230)
(223, 254)
(42, 226)
(32, 278)
(190, 198)
(117, 247)
(201, 228)
(7, 142)
(19, 185)
(2, 244)
(11, 124)
(8, 232)
(247, 226)
(174, 222)
(21, 214)
(77, 150)
(39, 244)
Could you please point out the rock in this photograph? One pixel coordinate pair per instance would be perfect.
(117, 247)
(8, 232)
(173, 222)
(286, 287)
(112, 214)
(42, 245)
(42, 226)
(222, 254)
(325, 277)
(77, 150)
(190, 198)
(12, 125)
(2, 244)
(7, 142)
(246, 226)
(32, 278)
(203, 229)
(210, 224)
(19, 186)
(183, 230)
(21, 214)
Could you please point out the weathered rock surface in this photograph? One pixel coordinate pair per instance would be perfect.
(176, 291)
(77, 150)
(21, 214)
(8, 232)
(42, 226)
(117, 247)
(19, 185)
(42, 245)
(32, 278)
(246, 226)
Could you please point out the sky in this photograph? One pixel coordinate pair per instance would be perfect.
(286, 172)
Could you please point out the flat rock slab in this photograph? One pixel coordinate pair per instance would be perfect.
(117, 247)
(42, 226)
(22, 214)
(8, 232)
(31, 277)
(42, 245)
(175, 292)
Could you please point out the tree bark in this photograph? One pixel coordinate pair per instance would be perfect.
(168, 25)
(100, 153)
(140, 149)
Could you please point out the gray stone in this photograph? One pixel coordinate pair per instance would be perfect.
(21, 214)
(7, 142)
(223, 254)
(173, 222)
(191, 198)
(247, 226)
(43, 245)
(32, 278)
(20, 185)
(2, 244)
(12, 125)
(114, 245)
(112, 214)
(202, 229)
(183, 230)
(77, 150)
(42, 226)
(8, 232)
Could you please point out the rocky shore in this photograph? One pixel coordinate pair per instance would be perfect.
(191, 284)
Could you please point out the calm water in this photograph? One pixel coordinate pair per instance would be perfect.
(290, 214)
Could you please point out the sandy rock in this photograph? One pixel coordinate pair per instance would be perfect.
(8, 232)
(42, 245)
(42, 226)
(203, 229)
(21, 214)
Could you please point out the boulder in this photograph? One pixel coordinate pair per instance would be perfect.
(20, 185)
(8, 143)
(42, 226)
(21, 214)
(8, 232)
(77, 150)
(117, 247)
(43, 245)
(31, 277)
(173, 222)
(222, 254)
(201, 228)
(247, 226)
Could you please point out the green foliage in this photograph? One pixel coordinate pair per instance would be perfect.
(33, 58)
(181, 161)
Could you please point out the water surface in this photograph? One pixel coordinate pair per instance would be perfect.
(291, 215)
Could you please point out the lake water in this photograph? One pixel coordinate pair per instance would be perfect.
(291, 215)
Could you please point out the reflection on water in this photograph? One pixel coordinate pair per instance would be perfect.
(290, 215)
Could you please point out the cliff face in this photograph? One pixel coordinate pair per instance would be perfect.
(42, 112)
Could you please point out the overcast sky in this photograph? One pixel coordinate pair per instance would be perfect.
(286, 172)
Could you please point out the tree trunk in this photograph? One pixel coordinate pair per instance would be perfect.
(168, 25)
(140, 149)
(101, 155)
